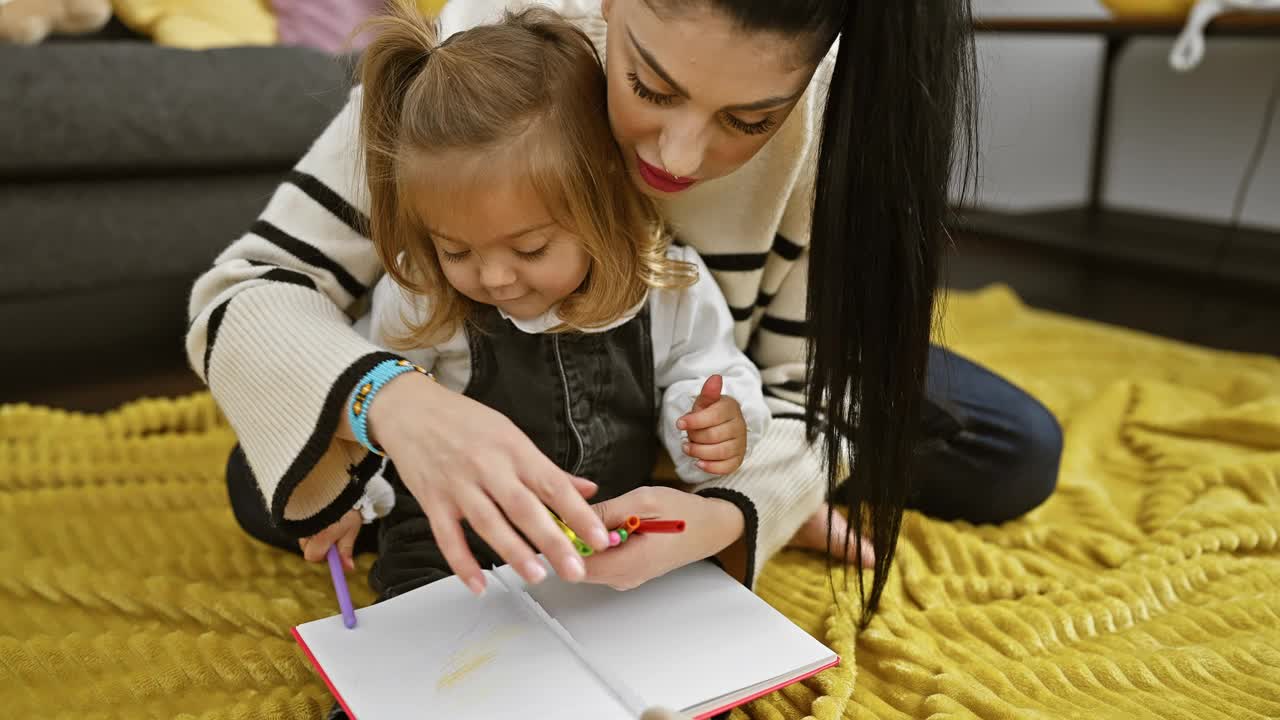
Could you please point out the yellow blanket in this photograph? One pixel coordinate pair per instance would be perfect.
(1148, 587)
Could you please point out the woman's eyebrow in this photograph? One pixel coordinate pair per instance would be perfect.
(655, 66)
(766, 104)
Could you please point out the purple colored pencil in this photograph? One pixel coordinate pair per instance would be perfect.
(340, 587)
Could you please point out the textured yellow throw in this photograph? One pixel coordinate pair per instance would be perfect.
(1148, 587)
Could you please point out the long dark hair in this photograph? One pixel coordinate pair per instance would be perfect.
(899, 118)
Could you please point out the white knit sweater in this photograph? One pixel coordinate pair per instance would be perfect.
(272, 335)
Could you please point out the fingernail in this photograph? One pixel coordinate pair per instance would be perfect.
(589, 482)
(576, 569)
(701, 465)
(476, 586)
(686, 447)
(533, 571)
(680, 424)
(598, 538)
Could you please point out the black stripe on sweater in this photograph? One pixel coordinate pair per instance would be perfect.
(211, 334)
(750, 525)
(769, 391)
(289, 276)
(735, 262)
(786, 249)
(309, 255)
(741, 314)
(764, 298)
(331, 200)
(792, 328)
(795, 386)
(335, 403)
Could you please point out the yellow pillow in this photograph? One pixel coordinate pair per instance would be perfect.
(198, 24)
(431, 7)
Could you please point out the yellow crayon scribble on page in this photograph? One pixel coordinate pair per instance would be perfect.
(464, 669)
(474, 655)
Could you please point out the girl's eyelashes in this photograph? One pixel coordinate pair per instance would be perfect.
(457, 257)
(643, 92)
(534, 254)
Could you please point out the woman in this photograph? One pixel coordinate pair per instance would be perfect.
(811, 175)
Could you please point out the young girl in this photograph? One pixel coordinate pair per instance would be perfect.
(524, 272)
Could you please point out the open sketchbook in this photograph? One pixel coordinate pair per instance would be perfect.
(693, 640)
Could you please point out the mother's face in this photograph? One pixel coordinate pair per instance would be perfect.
(691, 96)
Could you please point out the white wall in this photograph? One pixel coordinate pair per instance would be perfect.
(1180, 142)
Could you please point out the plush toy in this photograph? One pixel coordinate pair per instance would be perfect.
(201, 24)
(27, 22)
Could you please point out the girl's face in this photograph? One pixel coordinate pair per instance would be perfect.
(499, 245)
(691, 96)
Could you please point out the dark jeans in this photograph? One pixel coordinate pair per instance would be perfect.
(990, 455)
(991, 451)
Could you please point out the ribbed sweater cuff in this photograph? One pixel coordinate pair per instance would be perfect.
(781, 484)
(283, 364)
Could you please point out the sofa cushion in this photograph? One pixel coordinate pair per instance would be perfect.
(93, 265)
(73, 236)
(97, 109)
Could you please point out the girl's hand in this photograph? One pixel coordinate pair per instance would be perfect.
(343, 533)
(717, 431)
(711, 525)
(463, 460)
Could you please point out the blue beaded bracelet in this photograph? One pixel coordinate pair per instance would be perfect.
(368, 387)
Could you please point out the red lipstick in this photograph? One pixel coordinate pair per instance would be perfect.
(660, 179)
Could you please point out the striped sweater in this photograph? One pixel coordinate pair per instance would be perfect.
(271, 323)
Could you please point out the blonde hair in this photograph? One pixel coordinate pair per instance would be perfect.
(532, 77)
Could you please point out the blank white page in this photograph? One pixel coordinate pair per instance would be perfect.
(686, 638)
(438, 651)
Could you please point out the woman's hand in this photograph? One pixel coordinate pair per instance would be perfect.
(463, 460)
(711, 525)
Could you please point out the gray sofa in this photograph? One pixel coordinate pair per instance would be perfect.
(124, 169)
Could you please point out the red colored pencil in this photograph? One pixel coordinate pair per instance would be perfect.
(660, 526)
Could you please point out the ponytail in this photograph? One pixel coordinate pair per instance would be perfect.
(900, 90)
(402, 43)
(392, 76)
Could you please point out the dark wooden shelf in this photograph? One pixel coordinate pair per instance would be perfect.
(1233, 24)
(1182, 251)
(1173, 247)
